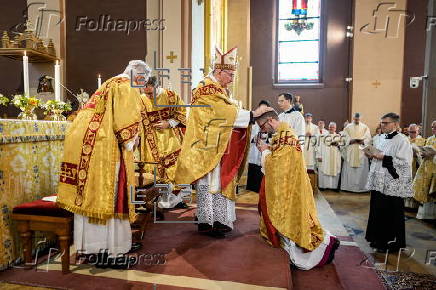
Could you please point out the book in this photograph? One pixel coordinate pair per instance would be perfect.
(369, 149)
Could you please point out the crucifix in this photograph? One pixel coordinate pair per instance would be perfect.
(376, 84)
(171, 57)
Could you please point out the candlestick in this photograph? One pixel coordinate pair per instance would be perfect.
(99, 81)
(26, 74)
(57, 69)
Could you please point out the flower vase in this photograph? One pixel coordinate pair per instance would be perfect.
(27, 113)
(57, 116)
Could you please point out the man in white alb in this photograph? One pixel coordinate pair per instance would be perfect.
(329, 159)
(356, 166)
(310, 142)
(291, 115)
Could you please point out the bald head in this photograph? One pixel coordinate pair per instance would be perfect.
(413, 131)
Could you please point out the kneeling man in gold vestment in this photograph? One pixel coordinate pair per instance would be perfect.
(288, 212)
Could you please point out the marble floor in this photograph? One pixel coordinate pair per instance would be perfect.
(346, 213)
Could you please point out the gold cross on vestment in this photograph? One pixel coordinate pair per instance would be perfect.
(171, 57)
(376, 84)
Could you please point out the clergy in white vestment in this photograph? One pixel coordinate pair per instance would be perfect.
(254, 172)
(292, 115)
(355, 167)
(97, 169)
(321, 131)
(310, 142)
(215, 147)
(329, 159)
(390, 181)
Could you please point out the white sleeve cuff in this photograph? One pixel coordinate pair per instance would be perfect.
(173, 123)
(265, 153)
(242, 119)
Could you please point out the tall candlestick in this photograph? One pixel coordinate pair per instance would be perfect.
(99, 81)
(57, 78)
(26, 74)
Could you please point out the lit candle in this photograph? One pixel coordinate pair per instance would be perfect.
(57, 80)
(26, 74)
(99, 81)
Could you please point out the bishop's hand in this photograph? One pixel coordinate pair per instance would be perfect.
(261, 110)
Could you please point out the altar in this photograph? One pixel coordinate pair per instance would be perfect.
(30, 153)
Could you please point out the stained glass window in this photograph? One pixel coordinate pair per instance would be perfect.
(298, 43)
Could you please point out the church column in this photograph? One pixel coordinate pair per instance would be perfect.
(429, 95)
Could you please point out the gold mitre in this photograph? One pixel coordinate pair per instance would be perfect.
(226, 61)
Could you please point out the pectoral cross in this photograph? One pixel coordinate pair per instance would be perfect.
(376, 84)
(171, 57)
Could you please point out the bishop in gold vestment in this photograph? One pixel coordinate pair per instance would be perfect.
(288, 212)
(97, 172)
(215, 147)
(162, 135)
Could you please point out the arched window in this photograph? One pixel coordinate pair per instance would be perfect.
(298, 44)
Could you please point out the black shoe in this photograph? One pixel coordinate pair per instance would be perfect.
(216, 234)
(121, 263)
(204, 228)
(219, 227)
(135, 247)
(181, 205)
(335, 246)
(160, 216)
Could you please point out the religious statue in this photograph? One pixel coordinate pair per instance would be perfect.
(44, 85)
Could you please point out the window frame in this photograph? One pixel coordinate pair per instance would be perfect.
(322, 38)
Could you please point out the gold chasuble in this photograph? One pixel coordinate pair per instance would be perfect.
(97, 171)
(162, 146)
(424, 184)
(286, 200)
(210, 139)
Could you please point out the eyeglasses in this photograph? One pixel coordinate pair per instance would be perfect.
(413, 132)
(385, 123)
(261, 127)
(230, 74)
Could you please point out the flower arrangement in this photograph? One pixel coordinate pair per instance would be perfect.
(55, 109)
(24, 102)
(26, 105)
(53, 105)
(3, 100)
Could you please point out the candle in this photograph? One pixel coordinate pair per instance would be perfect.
(99, 81)
(26, 74)
(57, 80)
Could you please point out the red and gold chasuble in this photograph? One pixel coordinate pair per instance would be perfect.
(286, 201)
(210, 139)
(162, 146)
(97, 171)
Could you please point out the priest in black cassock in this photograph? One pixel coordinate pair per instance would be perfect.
(390, 181)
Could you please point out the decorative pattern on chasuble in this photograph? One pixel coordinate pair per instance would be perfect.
(162, 146)
(94, 155)
(30, 155)
(208, 133)
(424, 184)
(288, 196)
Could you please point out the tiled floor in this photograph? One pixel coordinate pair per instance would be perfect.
(352, 210)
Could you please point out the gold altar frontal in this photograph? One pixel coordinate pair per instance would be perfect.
(30, 155)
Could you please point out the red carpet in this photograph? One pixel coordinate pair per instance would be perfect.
(242, 257)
